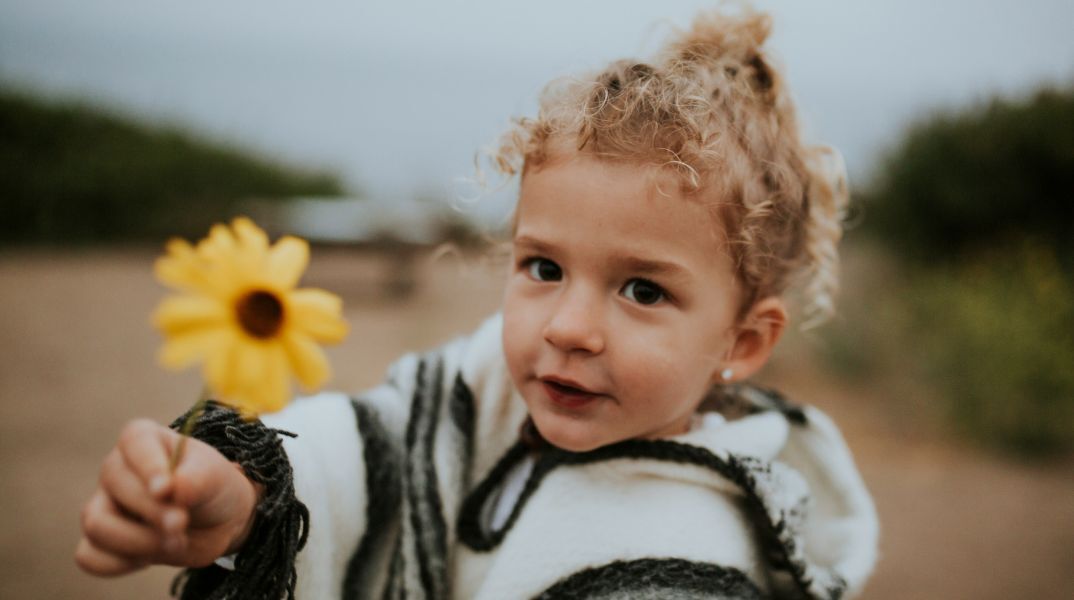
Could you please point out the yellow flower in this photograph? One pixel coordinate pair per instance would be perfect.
(240, 313)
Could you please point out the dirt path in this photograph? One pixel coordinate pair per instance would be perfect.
(79, 362)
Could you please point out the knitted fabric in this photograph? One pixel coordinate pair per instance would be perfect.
(398, 479)
(265, 567)
(663, 579)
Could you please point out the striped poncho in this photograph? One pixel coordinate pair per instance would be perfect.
(389, 494)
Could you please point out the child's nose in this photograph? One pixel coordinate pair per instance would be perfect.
(575, 324)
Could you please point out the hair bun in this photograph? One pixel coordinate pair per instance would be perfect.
(721, 49)
(718, 36)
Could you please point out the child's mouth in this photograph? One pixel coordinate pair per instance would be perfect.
(568, 396)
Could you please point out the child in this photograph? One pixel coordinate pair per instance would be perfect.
(596, 439)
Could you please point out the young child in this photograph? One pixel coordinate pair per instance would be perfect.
(596, 440)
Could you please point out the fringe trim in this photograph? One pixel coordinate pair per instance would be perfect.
(665, 578)
(265, 566)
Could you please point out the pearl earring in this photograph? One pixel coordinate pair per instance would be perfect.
(726, 374)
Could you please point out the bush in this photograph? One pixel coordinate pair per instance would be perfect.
(979, 206)
(996, 333)
(73, 173)
(963, 181)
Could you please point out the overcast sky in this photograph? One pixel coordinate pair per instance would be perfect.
(397, 96)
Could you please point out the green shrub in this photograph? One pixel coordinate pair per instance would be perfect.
(996, 333)
(979, 207)
(73, 173)
(963, 181)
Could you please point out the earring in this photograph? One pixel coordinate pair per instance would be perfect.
(726, 374)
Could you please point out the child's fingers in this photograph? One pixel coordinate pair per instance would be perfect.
(104, 525)
(206, 483)
(95, 561)
(130, 493)
(146, 447)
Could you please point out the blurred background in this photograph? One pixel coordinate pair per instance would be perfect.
(356, 124)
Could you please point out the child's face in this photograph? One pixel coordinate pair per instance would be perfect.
(620, 304)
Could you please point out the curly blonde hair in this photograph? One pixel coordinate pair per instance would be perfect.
(712, 108)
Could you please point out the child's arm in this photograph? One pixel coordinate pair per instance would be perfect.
(332, 472)
(140, 514)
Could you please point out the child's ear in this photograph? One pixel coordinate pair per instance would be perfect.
(754, 340)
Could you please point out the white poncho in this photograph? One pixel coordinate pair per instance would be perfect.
(401, 483)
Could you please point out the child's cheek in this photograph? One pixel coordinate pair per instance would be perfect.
(521, 336)
(649, 367)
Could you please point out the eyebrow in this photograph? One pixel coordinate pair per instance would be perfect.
(645, 266)
(532, 243)
(634, 264)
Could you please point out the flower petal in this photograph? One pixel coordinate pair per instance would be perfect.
(287, 260)
(179, 248)
(249, 235)
(181, 314)
(275, 390)
(180, 351)
(251, 247)
(307, 360)
(219, 370)
(247, 362)
(219, 246)
(262, 385)
(180, 268)
(317, 313)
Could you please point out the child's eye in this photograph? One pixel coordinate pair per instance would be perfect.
(543, 269)
(644, 291)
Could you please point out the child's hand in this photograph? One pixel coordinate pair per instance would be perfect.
(141, 514)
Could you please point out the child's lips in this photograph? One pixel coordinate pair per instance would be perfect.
(567, 393)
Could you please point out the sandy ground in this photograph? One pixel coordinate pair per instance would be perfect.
(79, 362)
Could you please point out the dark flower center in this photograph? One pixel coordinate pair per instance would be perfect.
(260, 314)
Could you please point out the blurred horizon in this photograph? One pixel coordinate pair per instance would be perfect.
(397, 98)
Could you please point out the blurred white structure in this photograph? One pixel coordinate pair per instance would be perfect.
(350, 220)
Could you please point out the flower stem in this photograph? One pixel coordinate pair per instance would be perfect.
(188, 427)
